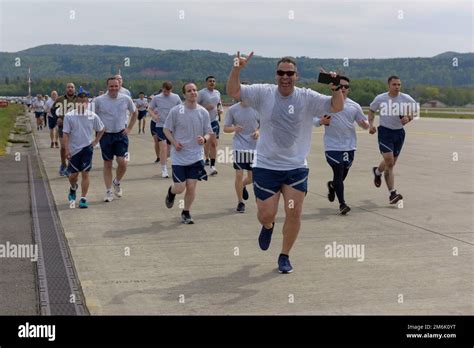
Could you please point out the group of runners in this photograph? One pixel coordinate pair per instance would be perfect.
(272, 126)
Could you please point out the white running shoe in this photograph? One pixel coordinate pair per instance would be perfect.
(109, 196)
(117, 189)
(164, 173)
(213, 171)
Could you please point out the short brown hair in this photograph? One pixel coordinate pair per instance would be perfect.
(110, 79)
(167, 85)
(184, 86)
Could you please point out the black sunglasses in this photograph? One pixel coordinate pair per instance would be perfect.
(345, 86)
(288, 73)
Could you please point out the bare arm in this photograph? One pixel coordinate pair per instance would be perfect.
(133, 119)
(98, 136)
(66, 145)
(372, 128)
(228, 129)
(363, 124)
(178, 146)
(233, 81)
(234, 128)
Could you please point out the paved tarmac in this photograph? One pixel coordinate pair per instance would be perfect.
(17, 274)
(418, 259)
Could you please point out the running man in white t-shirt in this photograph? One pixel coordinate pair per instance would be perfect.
(244, 121)
(142, 106)
(188, 128)
(280, 167)
(112, 108)
(396, 110)
(160, 106)
(210, 99)
(340, 142)
(79, 128)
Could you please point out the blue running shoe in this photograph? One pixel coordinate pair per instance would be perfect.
(63, 171)
(83, 203)
(72, 194)
(265, 237)
(284, 265)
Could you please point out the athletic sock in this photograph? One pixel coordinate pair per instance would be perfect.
(171, 194)
(116, 182)
(186, 213)
(392, 190)
(213, 162)
(285, 255)
(163, 167)
(377, 172)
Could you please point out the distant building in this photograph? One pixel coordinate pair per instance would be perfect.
(433, 104)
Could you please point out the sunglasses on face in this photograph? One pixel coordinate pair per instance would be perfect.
(287, 73)
(345, 86)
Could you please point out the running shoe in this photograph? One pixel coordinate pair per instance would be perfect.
(265, 237)
(284, 265)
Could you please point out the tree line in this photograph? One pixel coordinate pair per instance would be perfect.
(362, 91)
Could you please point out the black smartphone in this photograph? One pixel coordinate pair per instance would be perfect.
(327, 79)
(328, 117)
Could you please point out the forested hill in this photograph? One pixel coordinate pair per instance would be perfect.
(97, 62)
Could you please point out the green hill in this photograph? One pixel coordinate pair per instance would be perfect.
(98, 62)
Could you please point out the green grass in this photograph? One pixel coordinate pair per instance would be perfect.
(7, 122)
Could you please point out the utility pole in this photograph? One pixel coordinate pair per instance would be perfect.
(29, 81)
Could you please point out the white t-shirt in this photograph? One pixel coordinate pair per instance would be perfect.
(38, 105)
(205, 97)
(186, 125)
(80, 128)
(285, 124)
(162, 105)
(142, 104)
(340, 134)
(248, 118)
(391, 108)
(48, 105)
(113, 111)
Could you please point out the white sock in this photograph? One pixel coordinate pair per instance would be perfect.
(116, 182)
(377, 172)
(84, 198)
(392, 190)
(109, 190)
(163, 168)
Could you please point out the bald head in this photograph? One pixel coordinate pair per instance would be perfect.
(70, 89)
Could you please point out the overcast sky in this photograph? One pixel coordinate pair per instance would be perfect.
(316, 28)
